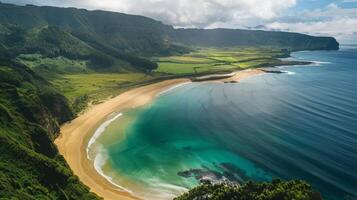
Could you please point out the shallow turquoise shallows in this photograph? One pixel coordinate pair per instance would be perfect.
(302, 124)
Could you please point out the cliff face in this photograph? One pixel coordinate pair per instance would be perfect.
(331, 43)
(251, 38)
(30, 113)
(32, 97)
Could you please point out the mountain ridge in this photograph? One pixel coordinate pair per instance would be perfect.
(145, 36)
(221, 37)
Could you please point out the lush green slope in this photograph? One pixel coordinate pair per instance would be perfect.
(277, 190)
(52, 41)
(30, 113)
(106, 30)
(117, 34)
(251, 38)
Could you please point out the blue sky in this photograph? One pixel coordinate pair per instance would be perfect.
(315, 4)
(337, 18)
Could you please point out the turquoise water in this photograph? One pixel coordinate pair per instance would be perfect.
(297, 125)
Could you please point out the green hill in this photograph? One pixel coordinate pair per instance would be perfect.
(30, 113)
(252, 38)
(117, 35)
(121, 32)
(52, 41)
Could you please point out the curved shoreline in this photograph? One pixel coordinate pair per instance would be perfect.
(75, 135)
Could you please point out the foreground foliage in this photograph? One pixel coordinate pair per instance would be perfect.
(30, 113)
(277, 190)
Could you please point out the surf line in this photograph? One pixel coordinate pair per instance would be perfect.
(99, 132)
(100, 157)
(171, 88)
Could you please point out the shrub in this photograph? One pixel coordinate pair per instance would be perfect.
(276, 190)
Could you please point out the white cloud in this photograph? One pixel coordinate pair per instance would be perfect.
(349, 1)
(330, 21)
(343, 29)
(274, 14)
(188, 13)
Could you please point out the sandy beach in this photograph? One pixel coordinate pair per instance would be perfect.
(75, 135)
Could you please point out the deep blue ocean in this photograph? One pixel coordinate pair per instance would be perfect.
(298, 125)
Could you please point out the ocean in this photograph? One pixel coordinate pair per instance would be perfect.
(297, 125)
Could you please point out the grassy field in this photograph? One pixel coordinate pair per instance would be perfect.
(78, 82)
(216, 60)
(94, 87)
(74, 85)
(81, 84)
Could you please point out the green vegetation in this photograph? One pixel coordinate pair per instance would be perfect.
(30, 113)
(59, 42)
(105, 37)
(277, 190)
(81, 84)
(183, 68)
(59, 64)
(51, 42)
(52, 67)
(221, 60)
(251, 38)
(78, 82)
(189, 59)
(54, 61)
(81, 89)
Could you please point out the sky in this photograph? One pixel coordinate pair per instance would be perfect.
(337, 18)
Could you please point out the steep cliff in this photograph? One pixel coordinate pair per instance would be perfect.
(30, 114)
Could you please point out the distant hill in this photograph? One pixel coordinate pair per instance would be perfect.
(252, 38)
(106, 37)
(52, 41)
(125, 33)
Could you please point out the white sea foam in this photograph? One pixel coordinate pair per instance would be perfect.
(99, 131)
(99, 161)
(101, 156)
(171, 88)
(321, 62)
(162, 191)
(289, 72)
(313, 63)
(318, 63)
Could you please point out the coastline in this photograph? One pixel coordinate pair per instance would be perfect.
(75, 135)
